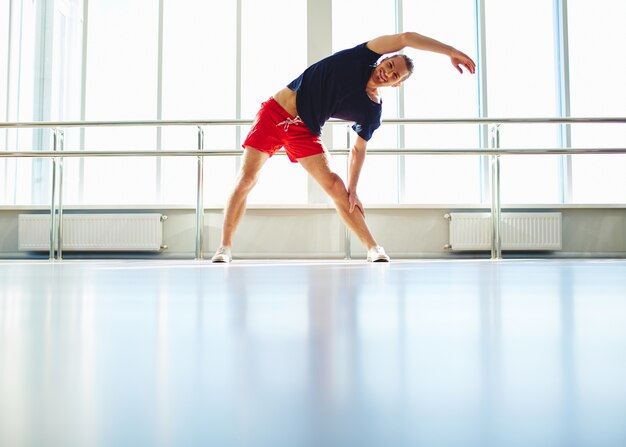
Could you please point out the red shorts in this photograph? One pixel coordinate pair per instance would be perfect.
(274, 128)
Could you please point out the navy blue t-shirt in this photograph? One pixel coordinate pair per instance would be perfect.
(335, 88)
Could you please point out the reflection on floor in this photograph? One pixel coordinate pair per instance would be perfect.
(412, 353)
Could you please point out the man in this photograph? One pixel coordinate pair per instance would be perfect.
(347, 86)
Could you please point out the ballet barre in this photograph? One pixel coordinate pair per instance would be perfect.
(57, 154)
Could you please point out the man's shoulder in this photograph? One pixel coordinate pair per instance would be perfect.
(358, 50)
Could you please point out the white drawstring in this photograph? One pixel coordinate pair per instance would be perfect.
(290, 121)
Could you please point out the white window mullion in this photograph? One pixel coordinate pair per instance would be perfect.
(9, 30)
(159, 111)
(7, 58)
(400, 113)
(42, 87)
(483, 112)
(83, 100)
(563, 95)
(319, 46)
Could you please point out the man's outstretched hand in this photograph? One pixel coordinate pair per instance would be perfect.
(459, 59)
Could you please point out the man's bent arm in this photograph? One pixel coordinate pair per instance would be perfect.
(397, 42)
(355, 164)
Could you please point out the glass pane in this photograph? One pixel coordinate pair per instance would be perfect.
(437, 90)
(121, 85)
(5, 163)
(597, 34)
(521, 77)
(452, 179)
(122, 65)
(525, 88)
(179, 174)
(599, 178)
(348, 13)
(120, 180)
(531, 179)
(4, 54)
(198, 87)
(24, 181)
(66, 62)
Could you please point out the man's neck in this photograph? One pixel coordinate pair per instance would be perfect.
(373, 93)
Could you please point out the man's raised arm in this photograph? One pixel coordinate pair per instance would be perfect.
(397, 42)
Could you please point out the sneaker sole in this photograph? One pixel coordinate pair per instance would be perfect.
(378, 260)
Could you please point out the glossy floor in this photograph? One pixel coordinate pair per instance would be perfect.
(412, 353)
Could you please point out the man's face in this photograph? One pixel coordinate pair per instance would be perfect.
(390, 72)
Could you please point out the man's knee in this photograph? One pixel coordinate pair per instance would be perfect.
(335, 186)
(247, 181)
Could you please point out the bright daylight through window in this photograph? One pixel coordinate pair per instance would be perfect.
(59, 60)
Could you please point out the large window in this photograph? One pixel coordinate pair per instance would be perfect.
(521, 83)
(193, 59)
(199, 81)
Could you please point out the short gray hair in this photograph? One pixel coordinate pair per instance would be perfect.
(409, 65)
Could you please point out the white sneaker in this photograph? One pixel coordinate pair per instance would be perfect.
(222, 255)
(377, 254)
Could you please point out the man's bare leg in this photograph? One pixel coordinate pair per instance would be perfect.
(318, 167)
(252, 162)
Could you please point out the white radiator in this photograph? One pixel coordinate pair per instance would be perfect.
(520, 231)
(94, 232)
